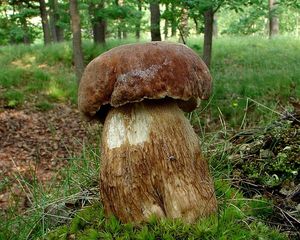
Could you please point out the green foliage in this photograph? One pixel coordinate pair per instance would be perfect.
(251, 21)
(19, 25)
(15, 23)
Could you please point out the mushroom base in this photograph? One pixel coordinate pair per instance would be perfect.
(152, 165)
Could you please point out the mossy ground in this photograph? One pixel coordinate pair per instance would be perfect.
(236, 219)
(270, 157)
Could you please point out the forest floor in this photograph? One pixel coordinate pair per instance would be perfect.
(34, 146)
(49, 155)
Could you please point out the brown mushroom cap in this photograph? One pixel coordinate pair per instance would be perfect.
(134, 72)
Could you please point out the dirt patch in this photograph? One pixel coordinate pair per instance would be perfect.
(34, 145)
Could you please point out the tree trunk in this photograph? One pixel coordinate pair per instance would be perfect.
(99, 29)
(124, 34)
(26, 38)
(183, 25)
(123, 22)
(166, 27)
(138, 24)
(173, 23)
(57, 32)
(155, 21)
(152, 164)
(197, 28)
(76, 31)
(119, 30)
(208, 34)
(98, 22)
(273, 19)
(297, 25)
(45, 23)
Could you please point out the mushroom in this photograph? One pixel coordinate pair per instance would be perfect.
(151, 157)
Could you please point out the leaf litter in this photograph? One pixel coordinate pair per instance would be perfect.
(35, 145)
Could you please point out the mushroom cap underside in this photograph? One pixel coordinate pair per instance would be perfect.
(134, 72)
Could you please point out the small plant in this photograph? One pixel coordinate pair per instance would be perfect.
(13, 98)
(44, 106)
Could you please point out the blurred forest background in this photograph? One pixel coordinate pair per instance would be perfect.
(36, 21)
(249, 129)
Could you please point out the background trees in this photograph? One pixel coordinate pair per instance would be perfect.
(33, 21)
(155, 20)
(76, 31)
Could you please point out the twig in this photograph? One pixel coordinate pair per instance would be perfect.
(260, 104)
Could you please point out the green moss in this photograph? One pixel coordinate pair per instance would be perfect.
(89, 234)
(91, 215)
(60, 233)
(231, 222)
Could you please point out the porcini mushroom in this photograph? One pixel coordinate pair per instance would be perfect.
(151, 157)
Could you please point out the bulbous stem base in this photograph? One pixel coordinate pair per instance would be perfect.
(152, 164)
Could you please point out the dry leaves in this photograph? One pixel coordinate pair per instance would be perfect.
(37, 144)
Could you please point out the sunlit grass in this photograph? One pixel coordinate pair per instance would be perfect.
(253, 67)
(242, 67)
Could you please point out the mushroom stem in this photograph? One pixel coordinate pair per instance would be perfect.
(152, 165)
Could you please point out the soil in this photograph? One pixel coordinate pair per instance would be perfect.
(34, 145)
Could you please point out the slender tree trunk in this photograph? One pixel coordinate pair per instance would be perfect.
(155, 21)
(297, 25)
(119, 33)
(215, 26)
(183, 25)
(26, 38)
(166, 27)
(57, 32)
(124, 25)
(52, 23)
(208, 33)
(273, 19)
(76, 31)
(119, 30)
(196, 26)
(125, 33)
(138, 24)
(173, 23)
(45, 23)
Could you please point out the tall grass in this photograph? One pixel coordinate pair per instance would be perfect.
(264, 70)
